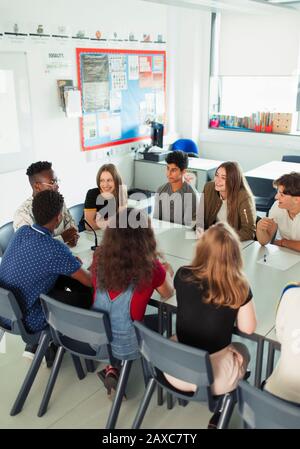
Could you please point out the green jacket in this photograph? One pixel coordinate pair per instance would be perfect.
(245, 217)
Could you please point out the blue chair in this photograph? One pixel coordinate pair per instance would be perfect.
(6, 233)
(184, 362)
(291, 158)
(186, 145)
(262, 410)
(263, 191)
(10, 310)
(77, 213)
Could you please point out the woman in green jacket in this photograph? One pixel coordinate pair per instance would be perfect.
(229, 198)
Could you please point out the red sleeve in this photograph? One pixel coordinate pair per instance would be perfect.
(159, 275)
(141, 298)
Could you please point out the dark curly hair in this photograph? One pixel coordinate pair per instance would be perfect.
(178, 158)
(46, 205)
(127, 252)
(36, 168)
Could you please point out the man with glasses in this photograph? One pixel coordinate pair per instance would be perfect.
(284, 215)
(42, 177)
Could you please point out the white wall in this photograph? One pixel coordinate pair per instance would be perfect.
(55, 137)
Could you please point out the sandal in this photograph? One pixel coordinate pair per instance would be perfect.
(110, 377)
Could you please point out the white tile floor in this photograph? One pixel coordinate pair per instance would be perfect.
(83, 404)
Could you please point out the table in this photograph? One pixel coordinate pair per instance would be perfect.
(149, 175)
(273, 170)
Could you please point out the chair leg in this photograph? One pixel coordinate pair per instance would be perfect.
(144, 404)
(226, 411)
(259, 362)
(90, 365)
(51, 382)
(122, 383)
(146, 371)
(31, 374)
(78, 367)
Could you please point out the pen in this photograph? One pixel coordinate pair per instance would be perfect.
(245, 213)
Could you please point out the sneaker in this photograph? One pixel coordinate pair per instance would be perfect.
(29, 351)
(214, 420)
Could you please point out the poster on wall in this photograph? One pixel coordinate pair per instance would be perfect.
(121, 90)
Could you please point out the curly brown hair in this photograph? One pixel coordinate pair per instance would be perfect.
(127, 253)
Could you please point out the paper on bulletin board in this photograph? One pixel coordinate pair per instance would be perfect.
(90, 126)
(96, 96)
(279, 260)
(145, 64)
(150, 103)
(115, 127)
(119, 80)
(115, 101)
(117, 63)
(104, 124)
(133, 67)
(158, 63)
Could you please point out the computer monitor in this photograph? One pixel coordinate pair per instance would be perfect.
(157, 133)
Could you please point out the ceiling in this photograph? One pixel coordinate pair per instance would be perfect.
(247, 6)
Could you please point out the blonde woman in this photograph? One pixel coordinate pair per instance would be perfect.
(229, 198)
(212, 295)
(104, 201)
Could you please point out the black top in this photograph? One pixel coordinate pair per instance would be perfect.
(204, 326)
(94, 201)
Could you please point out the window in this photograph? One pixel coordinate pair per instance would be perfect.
(251, 89)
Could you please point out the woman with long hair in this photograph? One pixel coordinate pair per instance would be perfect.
(126, 270)
(104, 200)
(212, 294)
(229, 198)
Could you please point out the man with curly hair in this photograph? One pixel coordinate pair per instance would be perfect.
(42, 177)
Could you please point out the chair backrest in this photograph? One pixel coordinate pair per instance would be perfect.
(6, 233)
(181, 361)
(291, 158)
(77, 212)
(82, 332)
(263, 191)
(10, 310)
(186, 145)
(261, 410)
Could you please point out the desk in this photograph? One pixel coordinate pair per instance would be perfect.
(150, 175)
(273, 170)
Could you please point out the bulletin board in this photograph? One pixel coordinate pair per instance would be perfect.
(120, 90)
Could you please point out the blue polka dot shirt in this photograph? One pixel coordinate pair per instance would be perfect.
(30, 266)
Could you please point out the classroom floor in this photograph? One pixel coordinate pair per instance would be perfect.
(84, 404)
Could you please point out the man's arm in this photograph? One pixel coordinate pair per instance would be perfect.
(83, 276)
(291, 244)
(265, 230)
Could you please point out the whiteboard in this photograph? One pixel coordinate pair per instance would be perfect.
(16, 150)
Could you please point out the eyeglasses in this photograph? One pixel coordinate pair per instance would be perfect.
(53, 182)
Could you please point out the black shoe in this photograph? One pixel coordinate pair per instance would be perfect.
(214, 420)
(51, 354)
(29, 351)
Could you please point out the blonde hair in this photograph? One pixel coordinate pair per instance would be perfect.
(217, 267)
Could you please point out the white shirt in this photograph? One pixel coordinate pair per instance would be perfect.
(24, 216)
(222, 214)
(285, 379)
(288, 228)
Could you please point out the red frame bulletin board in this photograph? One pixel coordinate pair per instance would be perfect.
(119, 90)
